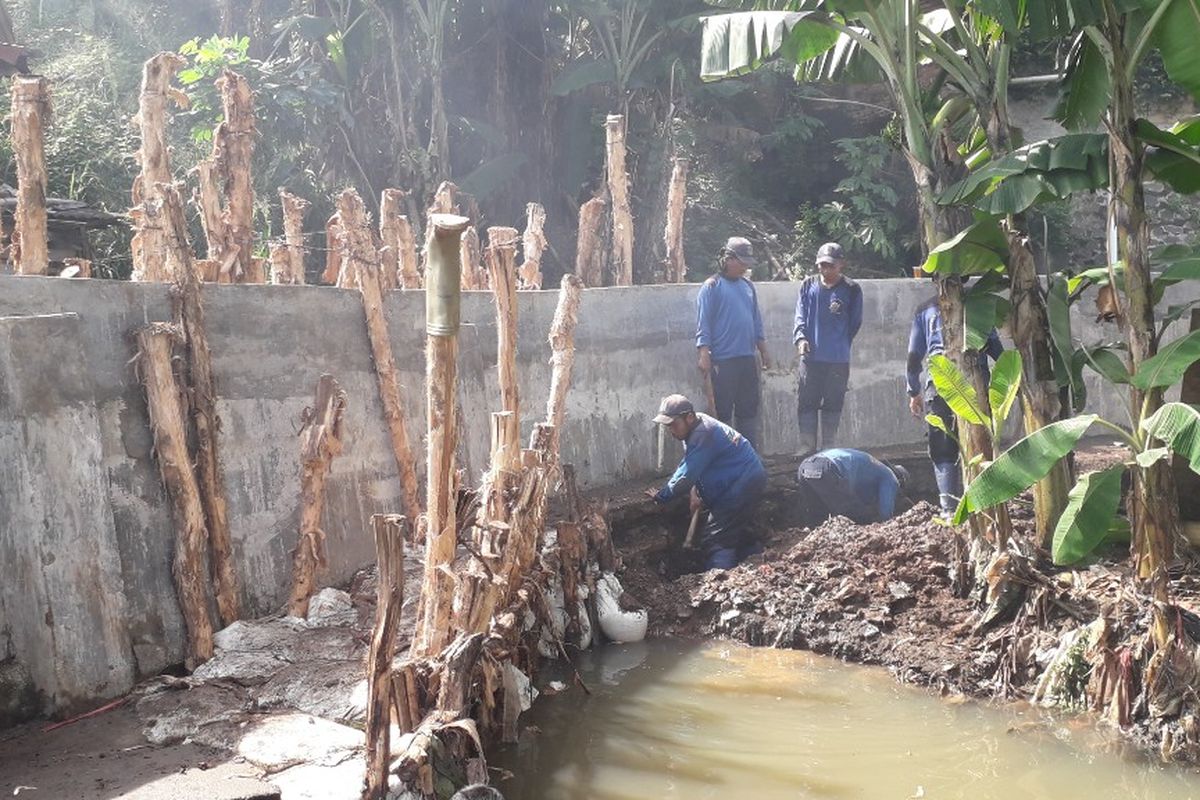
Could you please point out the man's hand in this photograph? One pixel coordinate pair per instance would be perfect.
(705, 360)
(916, 404)
(651, 494)
(694, 501)
(803, 347)
(764, 357)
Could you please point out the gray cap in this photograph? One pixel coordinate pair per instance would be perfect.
(741, 249)
(830, 252)
(672, 406)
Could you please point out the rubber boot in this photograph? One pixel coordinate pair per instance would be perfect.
(830, 422)
(949, 483)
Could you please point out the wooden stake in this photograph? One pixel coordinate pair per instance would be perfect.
(360, 255)
(287, 263)
(320, 441)
(533, 244)
(202, 396)
(212, 220)
(165, 403)
(333, 253)
(676, 269)
(30, 113)
(233, 151)
(618, 190)
(562, 358)
(442, 297)
(154, 159)
(390, 533)
(469, 255)
(501, 262)
(589, 255)
(398, 240)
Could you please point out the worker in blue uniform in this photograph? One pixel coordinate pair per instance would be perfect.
(727, 477)
(924, 341)
(829, 312)
(850, 483)
(730, 339)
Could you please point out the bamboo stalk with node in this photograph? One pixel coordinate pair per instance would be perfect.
(502, 272)
(360, 256)
(202, 396)
(676, 269)
(164, 400)
(147, 246)
(442, 299)
(399, 251)
(589, 251)
(618, 190)
(390, 533)
(30, 253)
(533, 244)
(562, 360)
(287, 259)
(320, 442)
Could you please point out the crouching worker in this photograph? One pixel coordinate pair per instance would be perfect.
(727, 476)
(850, 483)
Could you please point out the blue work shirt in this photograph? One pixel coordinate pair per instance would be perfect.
(829, 318)
(728, 321)
(719, 461)
(867, 479)
(925, 340)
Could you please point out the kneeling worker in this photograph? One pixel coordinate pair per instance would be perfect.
(851, 483)
(726, 474)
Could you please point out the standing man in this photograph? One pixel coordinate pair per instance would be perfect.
(828, 315)
(852, 484)
(925, 340)
(726, 475)
(729, 330)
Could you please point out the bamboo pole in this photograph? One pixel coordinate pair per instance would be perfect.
(360, 255)
(562, 358)
(320, 442)
(165, 404)
(390, 533)
(501, 261)
(30, 113)
(287, 263)
(442, 297)
(676, 269)
(533, 244)
(589, 255)
(618, 190)
(202, 395)
(148, 247)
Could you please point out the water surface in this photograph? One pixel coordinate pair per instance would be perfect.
(673, 719)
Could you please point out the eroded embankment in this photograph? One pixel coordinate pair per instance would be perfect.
(899, 594)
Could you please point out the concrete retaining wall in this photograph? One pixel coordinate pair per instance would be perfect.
(85, 525)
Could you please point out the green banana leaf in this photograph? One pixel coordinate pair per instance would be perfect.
(984, 311)
(738, 43)
(1178, 426)
(1004, 385)
(1168, 366)
(978, 249)
(1177, 35)
(960, 395)
(1104, 360)
(1090, 513)
(1084, 98)
(1022, 465)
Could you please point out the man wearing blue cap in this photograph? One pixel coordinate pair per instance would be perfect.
(850, 483)
(726, 474)
(829, 313)
(729, 332)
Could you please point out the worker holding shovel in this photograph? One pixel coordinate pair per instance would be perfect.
(726, 473)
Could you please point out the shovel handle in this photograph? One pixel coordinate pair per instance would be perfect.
(690, 540)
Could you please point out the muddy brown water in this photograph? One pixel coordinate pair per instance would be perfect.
(676, 719)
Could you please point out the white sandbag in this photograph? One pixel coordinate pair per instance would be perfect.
(618, 625)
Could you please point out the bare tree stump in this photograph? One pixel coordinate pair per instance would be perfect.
(399, 251)
(30, 112)
(233, 152)
(470, 256)
(165, 403)
(676, 269)
(533, 244)
(618, 190)
(501, 260)
(154, 160)
(589, 254)
(442, 298)
(360, 255)
(333, 253)
(390, 533)
(287, 260)
(562, 358)
(320, 442)
(212, 219)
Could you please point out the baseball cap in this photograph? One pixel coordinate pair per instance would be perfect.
(830, 251)
(741, 249)
(672, 406)
(900, 472)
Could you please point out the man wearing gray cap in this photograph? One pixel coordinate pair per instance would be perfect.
(727, 475)
(729, 330)
(828, 315)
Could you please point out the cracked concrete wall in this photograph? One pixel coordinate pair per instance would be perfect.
(270, 344)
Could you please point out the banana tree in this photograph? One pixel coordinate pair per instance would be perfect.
(825, 39)
(1112, 37)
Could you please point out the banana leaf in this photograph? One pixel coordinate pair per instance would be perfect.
(959, 395)
(737, 43)
(1168, 366)
(1004, 385)
(1090, 513)
(978, 249)
(1178, 426)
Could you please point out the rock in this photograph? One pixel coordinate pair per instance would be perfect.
(334, 690)
(174, 715)
(281, 741)
(331, 607)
